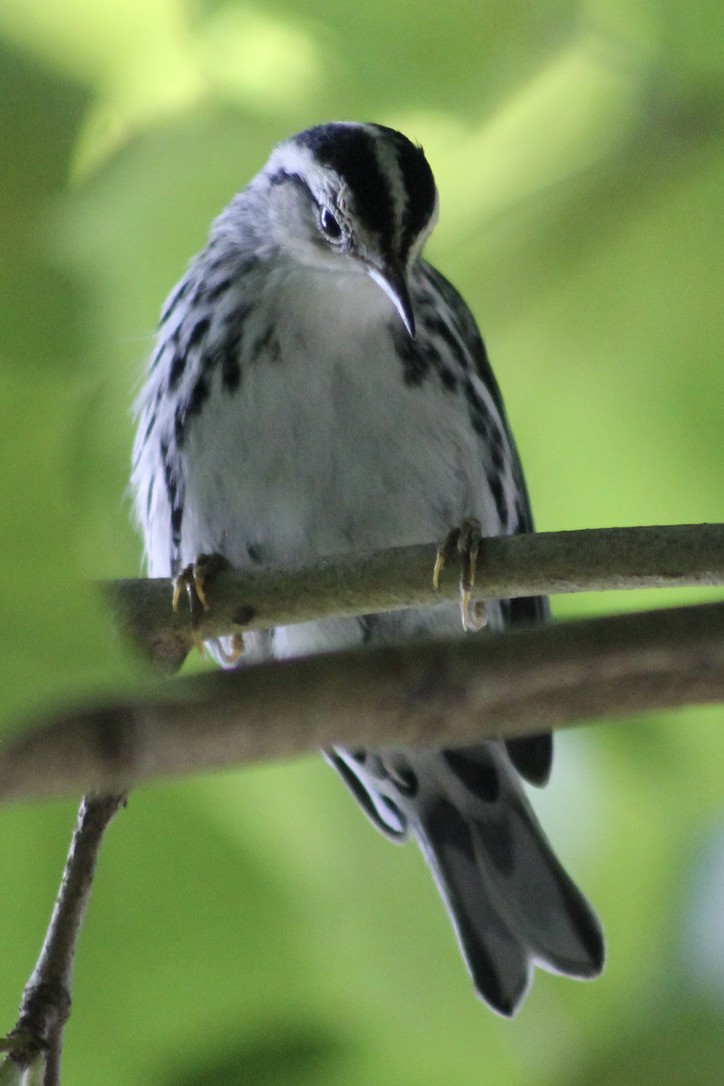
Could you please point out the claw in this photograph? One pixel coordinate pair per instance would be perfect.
(444, 551)
(192, 579)
(233, 654)
(178, 585)
(466, 540)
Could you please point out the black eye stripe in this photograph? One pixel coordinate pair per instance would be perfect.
(349, 150)
(394, 208)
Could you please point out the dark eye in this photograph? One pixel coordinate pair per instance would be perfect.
(329, 225)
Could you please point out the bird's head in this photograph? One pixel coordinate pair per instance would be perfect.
(353, 198)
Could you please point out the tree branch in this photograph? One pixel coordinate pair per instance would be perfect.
(45, 1005)
(441, 693)
(521, 565)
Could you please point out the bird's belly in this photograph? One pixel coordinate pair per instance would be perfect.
(329, 452)
(326, 449)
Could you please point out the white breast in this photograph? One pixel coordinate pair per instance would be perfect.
(323, 449)
(326, 449)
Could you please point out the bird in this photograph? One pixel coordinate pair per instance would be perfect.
(318, 388)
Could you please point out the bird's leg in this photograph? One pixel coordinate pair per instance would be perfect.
(192, 579)
(466, 540)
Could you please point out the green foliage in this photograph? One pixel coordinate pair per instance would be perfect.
(252, 927)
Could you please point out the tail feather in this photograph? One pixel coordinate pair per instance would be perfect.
(497, 962)
(510, 901)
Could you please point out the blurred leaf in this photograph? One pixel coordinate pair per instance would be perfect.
(676, 1049)
(293, 1056)
(41, 116)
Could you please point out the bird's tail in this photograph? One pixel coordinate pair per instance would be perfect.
(510, 901)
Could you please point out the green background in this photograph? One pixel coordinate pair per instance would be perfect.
(252, 927)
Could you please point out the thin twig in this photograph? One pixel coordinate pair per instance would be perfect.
(524, 565)
(45, 1005)
(448, 692)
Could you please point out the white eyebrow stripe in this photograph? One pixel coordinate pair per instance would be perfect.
(390, 170)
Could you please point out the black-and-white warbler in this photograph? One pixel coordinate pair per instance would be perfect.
(317, 388)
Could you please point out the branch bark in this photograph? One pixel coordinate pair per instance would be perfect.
(523, 565)
(435, 694)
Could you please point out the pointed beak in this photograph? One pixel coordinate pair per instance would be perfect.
(393, 280)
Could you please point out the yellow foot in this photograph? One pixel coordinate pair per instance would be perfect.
(234, 653)
(192, 579)
(466, 540)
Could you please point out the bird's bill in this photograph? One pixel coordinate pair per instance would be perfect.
(393, 281)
